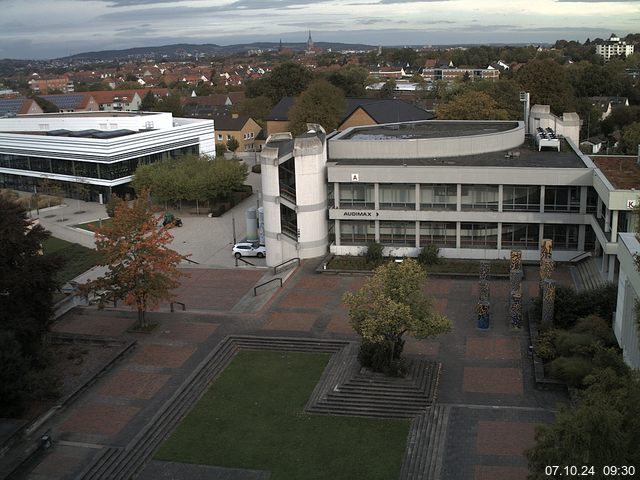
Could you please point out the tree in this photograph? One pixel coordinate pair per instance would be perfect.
(388, 90)
(602, 429)
(631, 138)
(141, 270)
(172, 104)
(547, 82)
(390, 304)
(287, 80)
(321, 103)
(352, 79)
(471, 105)
(148, 103)
(232, 144)
(257, 108)
(27, 285)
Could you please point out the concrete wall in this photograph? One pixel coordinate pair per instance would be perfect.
(432, 147)
(625, 326)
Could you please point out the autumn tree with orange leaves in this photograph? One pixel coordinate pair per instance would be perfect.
(141, 270)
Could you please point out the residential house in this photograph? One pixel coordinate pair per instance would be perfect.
(241, 127)
(45, 85)
(613, 47)
(607, 104)
(18, 106)
(73, 102)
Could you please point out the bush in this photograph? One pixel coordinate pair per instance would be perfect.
(596, 326)
(377, 357)
(429, 255)
(545, 347)
(571, 370)
(256, 168)
(570, 343)
(374, 252)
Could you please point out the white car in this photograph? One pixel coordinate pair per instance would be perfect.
(247, 249)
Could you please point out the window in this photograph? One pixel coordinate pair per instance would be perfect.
(562, 199)
(564, 237)
(438, 196)
(592, 200)
(354, 195)
(219, 136)
(480, 197)
(398, 196)
(479, 235)
(228, 137)
(398, 233)
(520, 235)
(520, 198)
(354, 232)
(440, 234)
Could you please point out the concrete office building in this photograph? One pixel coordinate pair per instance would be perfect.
(98, 149)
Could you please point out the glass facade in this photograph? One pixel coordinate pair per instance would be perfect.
(520, 235)
(440, 234)
(479, 235)
(353, 232)
(520, 198)
(401, 234)
(562, 199)
(397, 196)
(565, 237)
(355, 195)
(97, 170)
(480, 197)
(438, 197)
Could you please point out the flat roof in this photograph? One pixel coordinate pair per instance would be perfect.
(88, 114)
(427, 129)
(622, 171)
(525, 156)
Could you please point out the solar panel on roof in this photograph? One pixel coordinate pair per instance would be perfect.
(66, 101)
(61, 132)
(84, 133)
(11, 105)
(112, 133)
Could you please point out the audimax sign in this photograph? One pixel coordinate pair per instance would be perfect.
(360, 213)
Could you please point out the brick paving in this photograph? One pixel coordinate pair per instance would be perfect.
(130, 384)
(99, 419)
(486, 375)
(493, 380)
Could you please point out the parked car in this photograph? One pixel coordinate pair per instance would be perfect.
(248, 249)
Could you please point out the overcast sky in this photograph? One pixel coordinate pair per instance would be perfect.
(56, 28)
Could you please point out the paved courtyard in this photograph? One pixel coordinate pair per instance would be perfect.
(486, 376)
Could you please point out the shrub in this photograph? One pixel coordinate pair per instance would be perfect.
(429, 255)
(545, 347)
(570, 305)
(571, 370)
(570, 343)
(377, 357)
(256, 168)
(596, 326)
(374, 252)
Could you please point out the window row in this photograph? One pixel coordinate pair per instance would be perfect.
(472, 235)
(515, 198)
(76, 168)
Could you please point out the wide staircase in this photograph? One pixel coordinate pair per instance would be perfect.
(587, 274)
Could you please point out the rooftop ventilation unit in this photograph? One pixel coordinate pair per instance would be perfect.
(547, 138)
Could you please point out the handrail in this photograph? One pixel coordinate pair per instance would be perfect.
(190, 261)
(579, 257)
(184, 307)
(295, 259)
(243, 260)
(255, 289)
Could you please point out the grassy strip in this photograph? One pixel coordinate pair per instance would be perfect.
(252, 417)
(92, 226)
(347, 262)
(77, 259)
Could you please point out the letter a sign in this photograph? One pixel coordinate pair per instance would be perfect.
(355, 177)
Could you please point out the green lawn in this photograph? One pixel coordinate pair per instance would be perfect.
(92, 226)
(77, 259)
(252, 417)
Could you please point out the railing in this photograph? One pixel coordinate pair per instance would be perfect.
(290, 230)
(184, 307)
(286, 263)
(190, 261)
(255, 289)
(244, 261)
(580, 257)
(287, 192)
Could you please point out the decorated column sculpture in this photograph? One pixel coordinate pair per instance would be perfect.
(483, 306)
(548, 301)
(515, 297)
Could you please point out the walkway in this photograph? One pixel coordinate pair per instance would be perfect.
(486, 386)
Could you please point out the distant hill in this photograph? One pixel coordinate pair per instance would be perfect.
(188, 49)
